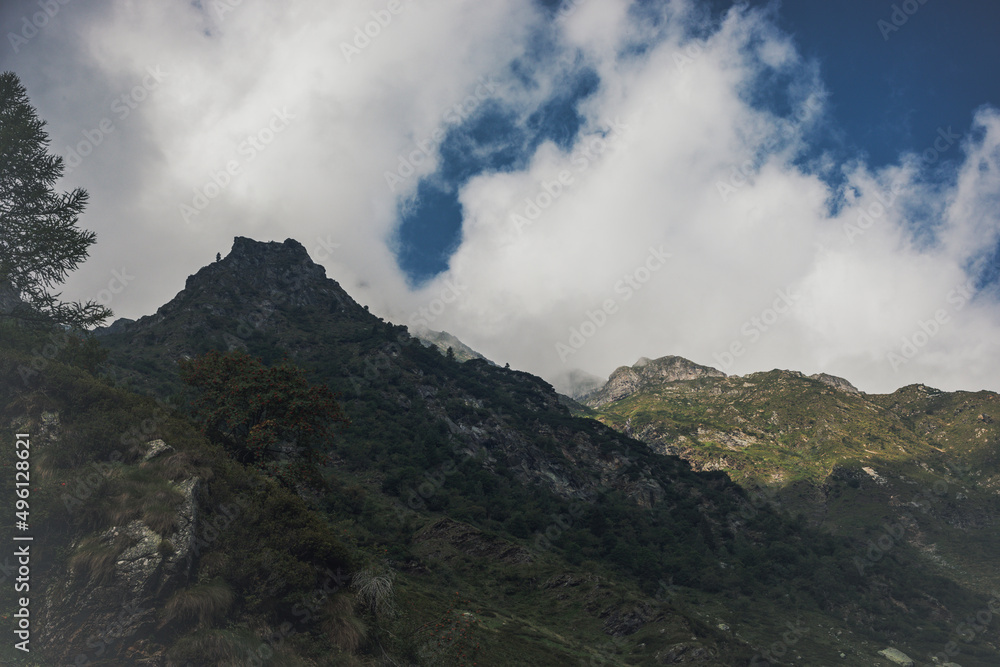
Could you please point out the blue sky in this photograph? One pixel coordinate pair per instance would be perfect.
(893, 87)
(564, 185)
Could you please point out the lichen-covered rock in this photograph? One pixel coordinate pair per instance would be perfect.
(154, 448)
(627, 619)
(136, 565)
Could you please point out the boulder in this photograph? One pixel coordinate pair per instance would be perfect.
(896, 657)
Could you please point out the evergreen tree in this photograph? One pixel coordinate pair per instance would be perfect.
(39, 240)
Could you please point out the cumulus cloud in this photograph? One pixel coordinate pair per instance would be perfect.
(775, 262)
(688, 213)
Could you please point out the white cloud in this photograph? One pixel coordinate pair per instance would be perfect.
(691, 127)
(680, 85)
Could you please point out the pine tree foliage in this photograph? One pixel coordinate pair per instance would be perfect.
(40, 242)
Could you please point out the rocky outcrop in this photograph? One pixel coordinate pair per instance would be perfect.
(578, 472)
(896, 657)
(249, 292)
(835, 382)
(101, 609)
(646, 373)
(686, 652)
(443, 340)
(627, 619)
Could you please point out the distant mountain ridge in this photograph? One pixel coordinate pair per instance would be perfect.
(645, 373)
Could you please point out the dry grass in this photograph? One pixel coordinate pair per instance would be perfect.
(204, 602)
(95, 559)
(137, 494)
(222, 648)
(178, 466)
(375, 591)
(159, 515)
(342, 627)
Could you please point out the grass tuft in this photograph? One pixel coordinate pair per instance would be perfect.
(95, 559)
(204, 602)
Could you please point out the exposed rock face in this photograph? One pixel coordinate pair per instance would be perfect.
(627, 620)
(644, 373)
(443, 340)
(284, 271)
(836, 382)
(685, 652)
(579, 474)
(155, 448)
(122, 606)
(252, 293)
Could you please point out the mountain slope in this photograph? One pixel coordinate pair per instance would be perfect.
(851, 462)
(563, 539)
(774, 427)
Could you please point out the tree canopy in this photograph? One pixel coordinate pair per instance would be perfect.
(268, 417)
(40, 242)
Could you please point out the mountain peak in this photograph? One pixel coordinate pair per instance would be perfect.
(246, 286)
(266, 266)
(249, 256)
(835, 382)
(243, 246)
(646, 372)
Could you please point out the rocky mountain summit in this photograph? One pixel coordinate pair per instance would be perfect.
(249, 283)
(837, 382)
(645, 373)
